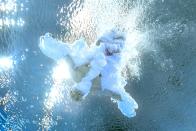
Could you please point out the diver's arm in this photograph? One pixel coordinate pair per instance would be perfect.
(53, 48)
(81, 54)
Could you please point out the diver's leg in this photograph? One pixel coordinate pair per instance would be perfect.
(126, 104)
(96, 65)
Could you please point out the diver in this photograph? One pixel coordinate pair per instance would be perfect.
(104, 60)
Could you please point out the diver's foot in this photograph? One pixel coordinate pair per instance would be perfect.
(128, 107)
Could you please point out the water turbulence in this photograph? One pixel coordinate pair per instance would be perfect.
(59, 93)
(8, 96)
(90, 19)
(10, 22)
(155, 59)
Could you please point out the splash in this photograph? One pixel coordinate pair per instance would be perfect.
(90, 18)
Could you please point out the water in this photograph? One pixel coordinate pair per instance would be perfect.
(162, 60)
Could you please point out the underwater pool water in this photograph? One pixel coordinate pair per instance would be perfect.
(161, 64)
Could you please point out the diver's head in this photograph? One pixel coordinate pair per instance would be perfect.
(113, 41)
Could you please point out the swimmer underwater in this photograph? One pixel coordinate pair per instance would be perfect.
(103, 61)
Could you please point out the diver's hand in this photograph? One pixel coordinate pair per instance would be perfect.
(53, 48)
(76, 95)
(81, 90)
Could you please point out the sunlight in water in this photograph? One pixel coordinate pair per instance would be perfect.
(61, 71)
(10, 10)
(6, 63)
(60, 74)
(11, 22)
(59, 92)
(8, 6)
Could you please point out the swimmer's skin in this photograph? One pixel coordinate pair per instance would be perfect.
(104, 59)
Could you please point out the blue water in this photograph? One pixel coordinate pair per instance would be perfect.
(165, 90)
